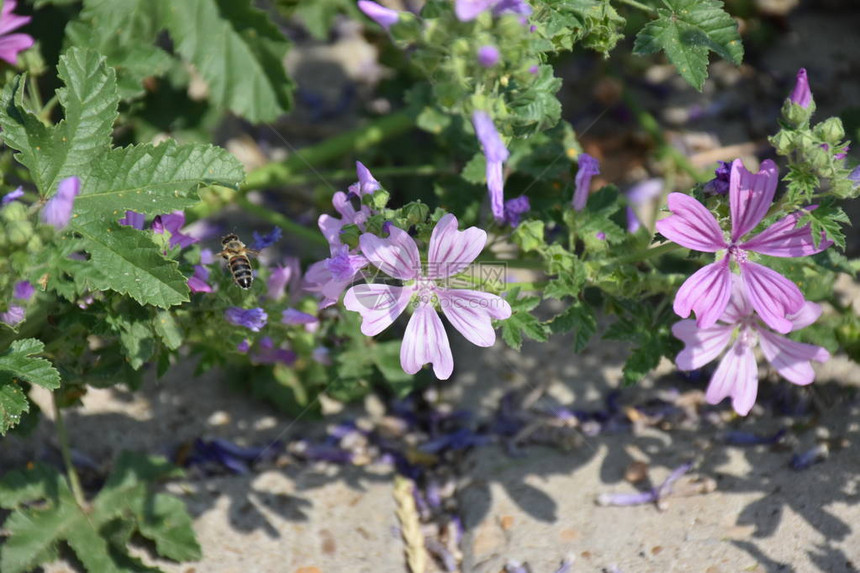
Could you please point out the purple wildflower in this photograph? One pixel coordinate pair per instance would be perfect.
(293, 316)
(172, 223)
(737, 373)
(640, 194)
(251, 318)
(197, 282)
(385, 17)
(14, 315)
(23, 290)
(243, 346)
(719, 185)
(467, 10)
(515, 209)
(801, 95)
(366, 184)
(841, 155)
(854, 176)
(268, 354)
(12, 44)
(708, 290)
(58, 210)
(496, 154)
(331, 227)
(133, 220)
(588, 168)
(488, 56)
(264, 241)
(11, 196)
(470, 312)
(281, 276)
(600, 236)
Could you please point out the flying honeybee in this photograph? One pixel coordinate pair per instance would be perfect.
(236, 254)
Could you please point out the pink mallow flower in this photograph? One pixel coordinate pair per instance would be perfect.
(12, 44)
(496, 154)
(342, 203)
(470, 312)
(330, 277)
(707, 291)
(173, 223)
(737, 373)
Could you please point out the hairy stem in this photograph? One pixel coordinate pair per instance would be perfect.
(72, 473)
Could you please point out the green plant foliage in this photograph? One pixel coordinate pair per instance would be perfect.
(237, 49)
(686, 30)
(522, 322)
(18, 363)
(45, 514)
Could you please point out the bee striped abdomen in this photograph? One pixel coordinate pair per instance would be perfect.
(240, 267)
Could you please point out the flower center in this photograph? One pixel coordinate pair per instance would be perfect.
(747, 334)
(737, 254)
(425, 290)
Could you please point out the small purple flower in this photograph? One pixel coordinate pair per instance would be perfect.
(533, 70)
(23, 290)
(318, 280)
(197, 283)
(268, 354)
(172, 223)
(243, 346)
(366, 184)
(719, 185)
(488, 56)
(133, 220)
(264, 241)
(331, 227)
(640, 194)
(251, 318)
(854, 176)
(14, 315)
(12, 44)
(207, 257)
(467, 10)
(58, 210)
(600, 235)
(293, 316)
(588, 168)
(515, 209)
(11, 196)
(841, 155)
(496, 154)
(343, 265)
(385, 17)
(801, 95)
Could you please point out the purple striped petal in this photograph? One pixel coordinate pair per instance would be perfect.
(691, 225)
(736, 376)
(701, 345)
(801, 94)
(385, 17)
(425, 341)
(396, 256)
(451, 251)
(588, 168)
(378, 304)
(785, 239)
(471, 313)
(791, 358)
(750, 195)
(739, 305)
(706, 292)
(807, 314)
(772, 295)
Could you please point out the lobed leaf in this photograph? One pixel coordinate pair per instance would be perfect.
(19, 362)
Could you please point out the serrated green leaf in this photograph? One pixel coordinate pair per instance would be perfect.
(20, 487)
(69, 148)
(136, 337)
(18, 361)
(124, 31)
(686, 32)
(132, 264)
(529, 235)
(168, 330)
(237, 50)
(537, 107)
(152, 179)
(164, 520)
(522, 322)
(578, 317)
(13, 404)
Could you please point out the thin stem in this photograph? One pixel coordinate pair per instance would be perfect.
(378, 172)
(34, 92)
(275, 218)
(276, 174)
(648, 253)
(639, 5)
(74, 481)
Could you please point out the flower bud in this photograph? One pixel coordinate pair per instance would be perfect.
(830, 130)
(783, 142)
(801, 94)
(380, 199)
(416, 213)
(385, 17)
(349, 235)
(818, 157)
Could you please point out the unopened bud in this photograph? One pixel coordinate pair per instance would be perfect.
(830, 130)
(349, 235)
(783, 142)
(416, 213)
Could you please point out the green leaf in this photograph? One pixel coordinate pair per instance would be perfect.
(124, 31)
(152, 179)
(237, 49)
(164, 520)
(537, 108)
(686, 31)
(168, 330)
(132, 264)
(522, 322)
(69, 148)
(19, 362)
(578, 317)
(135, 336)
(529, 235)
(13, 404)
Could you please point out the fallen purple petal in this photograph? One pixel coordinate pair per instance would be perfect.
(810, 457)
(12, 196)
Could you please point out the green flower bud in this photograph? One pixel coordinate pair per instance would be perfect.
(783, 142)
(416, 213)
(14, 211)
(818, 157)
(407, 29)
(349, 235)
(379, 199)
(19, 232)
(805, 143)
(830, 130)
(796, 115)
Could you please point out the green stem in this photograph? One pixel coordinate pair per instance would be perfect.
(45, 114)
(276, 174)
(639, 5)
(275, 218)
(74, 481)
(647, 253)
(649, 123)
(538, 286)
(34, 92)
(378, 172)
